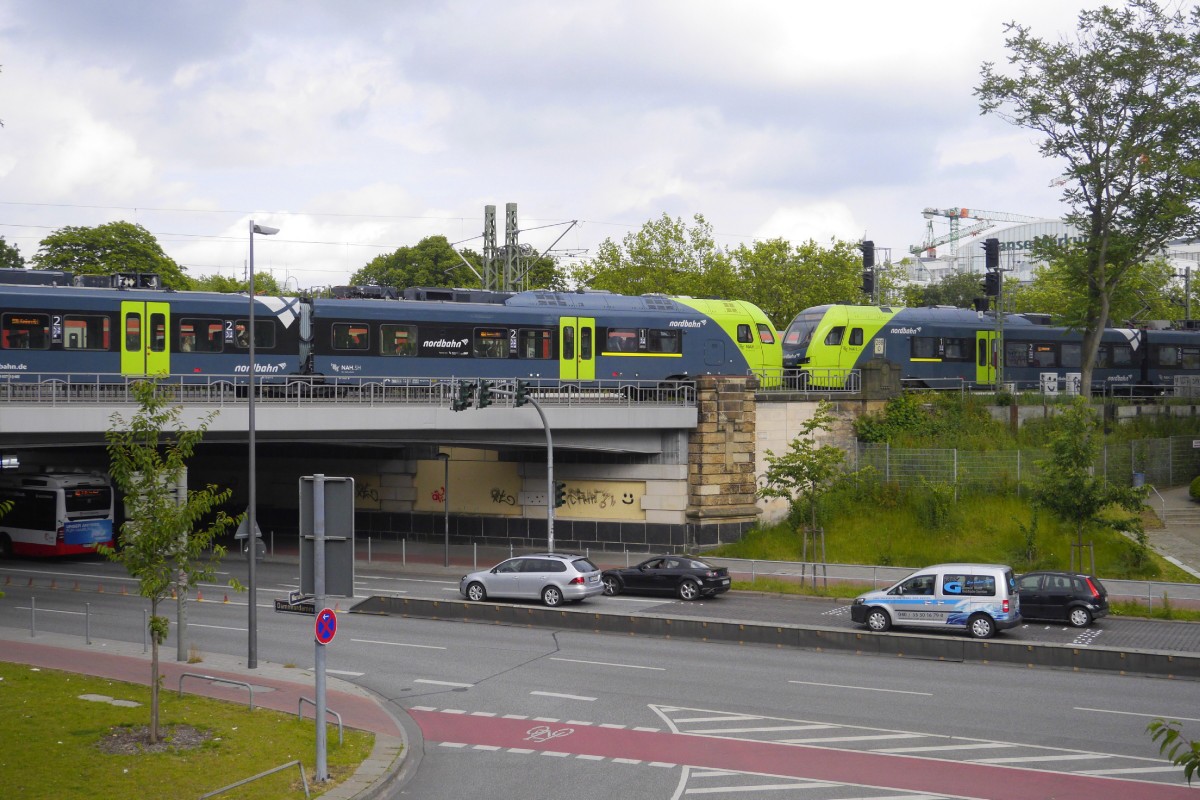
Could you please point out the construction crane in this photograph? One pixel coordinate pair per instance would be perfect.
(987, 220)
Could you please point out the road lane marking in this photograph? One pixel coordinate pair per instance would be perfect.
(446, 683)
(861, 688)
(399, 644)
(607, 664)
(1129, 770)
(216, 627)
(824, 739)
(1136, 714)
(813, 727)
(1022, 759)
(345, 672)
(941, 747)
(564, 696)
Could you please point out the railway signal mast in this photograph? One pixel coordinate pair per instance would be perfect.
(993, 286)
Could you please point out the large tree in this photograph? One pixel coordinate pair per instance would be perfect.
(1119, 106)
(1147, 294)
(10, 256)
(165, 542)
(784, 279)
(108, 249)
(264, 283)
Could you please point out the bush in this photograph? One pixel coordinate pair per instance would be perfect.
(1194, 489)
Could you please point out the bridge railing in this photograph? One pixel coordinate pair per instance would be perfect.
(818, 381)
(227, 390)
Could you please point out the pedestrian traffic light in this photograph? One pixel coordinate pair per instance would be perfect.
(991, 254)
(485, 394)
(560, 494)
(868, 281)
(991, 284)
(464, 398)
(521, 394)
(868, 251)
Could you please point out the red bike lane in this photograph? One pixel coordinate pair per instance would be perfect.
(904, 773)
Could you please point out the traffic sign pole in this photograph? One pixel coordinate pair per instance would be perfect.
(322, 771)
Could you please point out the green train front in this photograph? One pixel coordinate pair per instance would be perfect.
(941, 347)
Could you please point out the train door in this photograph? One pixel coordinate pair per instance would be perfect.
(144, 332)
(986, 343)
(576, 351)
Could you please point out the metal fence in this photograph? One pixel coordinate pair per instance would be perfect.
(1172, 461)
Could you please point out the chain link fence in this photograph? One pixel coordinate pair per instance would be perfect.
(1172, 461)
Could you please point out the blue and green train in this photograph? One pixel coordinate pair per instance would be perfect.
(941, 347)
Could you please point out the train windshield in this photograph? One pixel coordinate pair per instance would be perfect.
(800, 332)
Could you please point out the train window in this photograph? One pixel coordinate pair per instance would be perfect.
(744, 336)
(924, 347)
(158, 333)
(1167, 356)
(1122, 355)
(1072, 355)
(835, 335)
(491, 343)
(981, 360)
(26, 332)
(958, 349)
(1016, 354)
(568, 339)
(1044, 355)
(397, 340)
(350, 336)
(664, 341)
(86, 333)
(537, 343)
(856, 337)
(622, 340)
(133, 333)
(201, 336)
(585, 344)
(264, 334)
(765, 334)
(1190, 358)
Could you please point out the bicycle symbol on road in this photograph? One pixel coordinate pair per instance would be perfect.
(542, 733)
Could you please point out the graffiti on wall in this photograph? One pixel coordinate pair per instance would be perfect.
(603, 500)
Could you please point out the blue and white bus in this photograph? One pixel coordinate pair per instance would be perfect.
(55, 514)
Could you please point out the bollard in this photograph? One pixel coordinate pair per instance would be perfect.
(368, 549)
(404, 552)
(87, 622)
(510, 550)
(272, 544)
(32, 617)
(145, 630)
(474, 555)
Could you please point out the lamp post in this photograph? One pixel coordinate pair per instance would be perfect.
(252, 511)
(445, 457)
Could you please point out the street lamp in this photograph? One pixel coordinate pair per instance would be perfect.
(445, 457)
(252, 511)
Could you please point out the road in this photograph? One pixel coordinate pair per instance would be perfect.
(521, 712)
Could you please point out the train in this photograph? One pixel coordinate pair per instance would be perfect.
(133, 328)
(941, 347)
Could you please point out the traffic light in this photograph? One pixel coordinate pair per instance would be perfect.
(868, 281)
(991, 254)
(868, 251)
(521, 394)
(485, 394)
(464, 399)
(560, 494)
(991, 284)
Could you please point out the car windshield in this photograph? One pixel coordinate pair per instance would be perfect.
(584, 565)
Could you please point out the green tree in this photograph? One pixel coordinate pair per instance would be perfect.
(431, 262)
(108, 249)
(666, 256)
(1120, 105)
(264, 284)
(1182, 751)
(10, 256)
(783, 279)
(164, 540)
(1069, 487)
(806, 470)
(957, 289)
(1146, 294)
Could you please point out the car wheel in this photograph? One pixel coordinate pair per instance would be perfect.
(689, 590)
(1079, 617)
(552, 596)
(981, 626)
(878, 620)
(476, 592)
(612, 586)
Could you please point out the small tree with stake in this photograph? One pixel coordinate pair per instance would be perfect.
(164, 539)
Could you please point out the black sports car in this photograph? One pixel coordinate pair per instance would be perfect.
(685, 576)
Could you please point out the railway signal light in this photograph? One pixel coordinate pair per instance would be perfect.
(868, 281)
(485, 394)
(991, 284)
(521, 394)
(560, 494)
(991, 254)
(868, 251)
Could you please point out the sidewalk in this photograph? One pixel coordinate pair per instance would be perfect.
(1179, 541)
(397, 741)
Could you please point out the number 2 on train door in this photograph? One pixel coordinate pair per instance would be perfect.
(576, 354)
(145, 329)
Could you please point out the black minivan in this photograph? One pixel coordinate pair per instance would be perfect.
(1063, 597)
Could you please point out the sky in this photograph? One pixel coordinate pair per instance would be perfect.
(359, 127)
